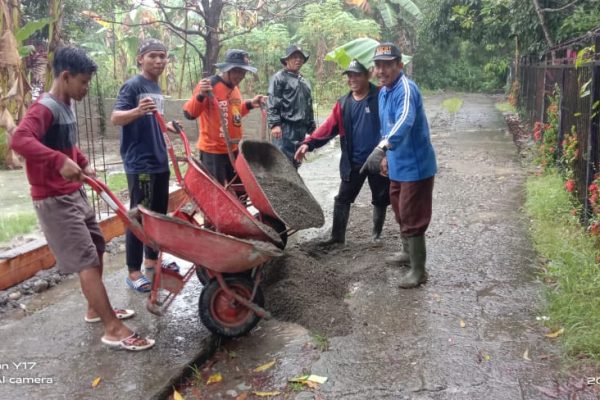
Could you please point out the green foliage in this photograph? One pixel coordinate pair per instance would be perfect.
(360, 49)
(459, 66)
(571, 269)
(324, 27)
(265, 46)
(582, 18)
(327, 25)
(30, 28)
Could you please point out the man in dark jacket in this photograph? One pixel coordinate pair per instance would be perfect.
(355, 118)
(290, 114)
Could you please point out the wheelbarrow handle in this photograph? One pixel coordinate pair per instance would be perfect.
(169, 144)
(113, 202)
(183, 136)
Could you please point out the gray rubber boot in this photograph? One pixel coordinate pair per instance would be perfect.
(401, 258)
(378, 220)
(341, 213)
(418, 254)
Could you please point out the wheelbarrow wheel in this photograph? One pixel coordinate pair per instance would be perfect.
(202, 275)
(223, 315)
(204, 278)
(278, 226)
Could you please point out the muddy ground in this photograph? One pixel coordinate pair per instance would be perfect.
(471, 332)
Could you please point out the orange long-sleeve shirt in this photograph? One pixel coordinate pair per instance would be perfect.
(229, 99)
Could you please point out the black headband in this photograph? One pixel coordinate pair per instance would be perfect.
(151, 45)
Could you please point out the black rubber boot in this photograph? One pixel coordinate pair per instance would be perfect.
(416, 275)
(401, 258)
(378, 220)
(341, 213)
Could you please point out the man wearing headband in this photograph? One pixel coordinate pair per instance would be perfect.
(355, 118)
(221, 91)
(144, 152)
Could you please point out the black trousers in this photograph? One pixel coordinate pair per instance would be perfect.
(219, 166)
(349, 190)
(152, 192)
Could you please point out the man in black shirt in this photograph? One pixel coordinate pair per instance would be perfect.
(355, 118)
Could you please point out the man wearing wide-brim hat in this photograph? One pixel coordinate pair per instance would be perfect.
(221, 92)
(290, 114)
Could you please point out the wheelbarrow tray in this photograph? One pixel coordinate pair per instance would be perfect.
(222, 209)
(275, 187)
(213, 250)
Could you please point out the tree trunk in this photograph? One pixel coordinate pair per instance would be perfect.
(183, 59)
(406, 46)
(12, 75)
(540, 15)
(212, 18)
(54, 39)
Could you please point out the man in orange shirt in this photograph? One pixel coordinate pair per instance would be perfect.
(221, 91)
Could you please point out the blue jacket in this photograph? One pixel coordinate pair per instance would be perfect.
(404, 125)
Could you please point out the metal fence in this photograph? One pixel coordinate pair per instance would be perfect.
(578, 109)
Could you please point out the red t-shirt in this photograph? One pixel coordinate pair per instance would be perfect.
(45, 137)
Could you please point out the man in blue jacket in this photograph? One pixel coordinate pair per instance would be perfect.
(355, 119)
(406, 155)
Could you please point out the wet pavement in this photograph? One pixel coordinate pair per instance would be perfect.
(52, 340)
(469, 333)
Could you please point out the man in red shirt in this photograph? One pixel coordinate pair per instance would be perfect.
(221, 91)
(55, 169)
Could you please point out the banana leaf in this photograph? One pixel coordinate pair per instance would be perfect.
(361, 49)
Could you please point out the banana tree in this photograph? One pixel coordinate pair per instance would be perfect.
(390, 11)
(360, 49)
(398, 16)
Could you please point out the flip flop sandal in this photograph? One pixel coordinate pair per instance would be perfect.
(142, 284)
(134, 342)
(172, 266)
(121, 313)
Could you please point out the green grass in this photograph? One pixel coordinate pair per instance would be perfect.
(296, 387)
(117, 182)
(572, 273)
(197, 375)
(12, 225)
(321, 341)
(505, 107)
(3, 146)
(452, 105)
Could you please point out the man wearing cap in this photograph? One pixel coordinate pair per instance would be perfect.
(405, 154)
(221, 92)
(144, 152)
(355, 119)
(290, 114)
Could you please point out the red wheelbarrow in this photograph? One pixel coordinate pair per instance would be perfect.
(231, 302)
